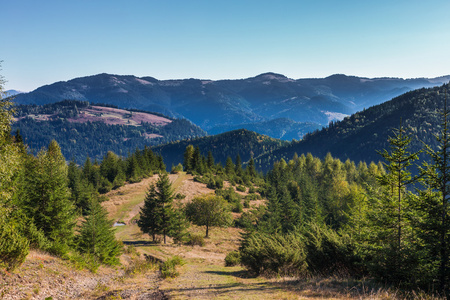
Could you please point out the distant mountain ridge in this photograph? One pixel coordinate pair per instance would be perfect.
(209, 103)
(359, 136)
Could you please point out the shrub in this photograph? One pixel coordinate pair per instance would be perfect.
(329, 253)
(246, 203)
(274, 254)
(233, 259)
(180, 196)
(241, 188)
(196, 239)
(177, 169)
(168, 268)
(252, 189)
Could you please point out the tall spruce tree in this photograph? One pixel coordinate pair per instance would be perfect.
(97, 235)
(434, 206)
(158, 216)
(46, 197)
(391, 222)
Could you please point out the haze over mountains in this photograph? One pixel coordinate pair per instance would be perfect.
(228, 104)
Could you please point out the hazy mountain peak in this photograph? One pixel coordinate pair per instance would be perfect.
(272, 76)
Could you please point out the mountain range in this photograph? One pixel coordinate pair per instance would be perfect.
(221, 105)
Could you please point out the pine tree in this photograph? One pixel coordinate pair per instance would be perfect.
(434, 205)
(14, 245)
(391, 209)
(188, 155)
(46, 196)
(158, 214)
(97, 235)
(150, 217)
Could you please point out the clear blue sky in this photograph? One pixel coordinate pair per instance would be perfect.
(52, 40)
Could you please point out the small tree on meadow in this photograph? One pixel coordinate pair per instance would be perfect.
(158, 216)
(209, 210)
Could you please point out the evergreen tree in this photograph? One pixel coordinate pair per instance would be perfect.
(251, 170)
(13, 244)
(97, 235)
(210, 161)
(158, 215)
(434, 207)
(46, 196)
(188, 155)
(229, 167)
(391, 221)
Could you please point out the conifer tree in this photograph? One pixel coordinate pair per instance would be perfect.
(391, 225)
(158, 215)
(97, 235)
(188, 155)
(46, 196)
(434, 205)
(13, 244)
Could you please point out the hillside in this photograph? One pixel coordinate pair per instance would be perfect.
(243, 142)
(85, 130)
(359, 136)
(284, 129)
(209, 103)
(204, 275)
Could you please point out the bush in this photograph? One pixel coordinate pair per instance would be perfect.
(274, 254)
(168, 268)
(177, 169)
(329, 253)
(236, 207)
(196, 240)
(241, 188)
(180, 196)
(233, 259)
(252, 197)
(252, 189)
(246, 203)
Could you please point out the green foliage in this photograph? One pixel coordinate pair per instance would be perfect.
(97, 236)
(329, 253)
(45, 197)
(196, 240)
(272, 254)
(158, 216)
(168, 268)
(14, 246)
(233, 259)
(241, 188)
(208, 211)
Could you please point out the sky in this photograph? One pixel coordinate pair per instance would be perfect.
(46, 41)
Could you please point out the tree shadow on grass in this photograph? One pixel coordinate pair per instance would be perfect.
(139, 243)
(239, 274)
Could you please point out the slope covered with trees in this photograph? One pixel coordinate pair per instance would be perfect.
(80, 136)
(359, 135)
(238, 142)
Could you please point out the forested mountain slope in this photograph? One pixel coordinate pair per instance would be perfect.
(85, 130)
(359, 136)
(282, 128)
(230, 144)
